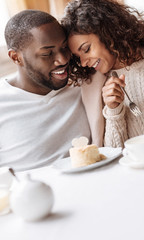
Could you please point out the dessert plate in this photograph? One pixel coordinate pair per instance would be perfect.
(64, 165)
(125, 161)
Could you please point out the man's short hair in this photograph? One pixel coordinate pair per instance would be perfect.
(17, 31)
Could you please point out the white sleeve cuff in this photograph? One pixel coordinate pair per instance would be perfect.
(114, 113)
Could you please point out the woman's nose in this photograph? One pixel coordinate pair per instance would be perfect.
(84, 62)
(62, 59)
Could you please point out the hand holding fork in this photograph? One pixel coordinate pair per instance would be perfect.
(133, 107)
(113, 94)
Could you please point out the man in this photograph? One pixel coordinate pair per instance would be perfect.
(40, 113)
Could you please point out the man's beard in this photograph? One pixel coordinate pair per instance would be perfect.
(41, 80)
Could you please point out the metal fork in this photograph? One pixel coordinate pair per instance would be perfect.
(133, 107)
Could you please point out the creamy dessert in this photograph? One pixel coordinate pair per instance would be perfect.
(82, 154)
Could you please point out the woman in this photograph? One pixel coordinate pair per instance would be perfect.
(107, 36)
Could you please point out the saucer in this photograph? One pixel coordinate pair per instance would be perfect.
(125, 161)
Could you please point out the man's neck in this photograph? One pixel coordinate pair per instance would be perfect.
(16, 81)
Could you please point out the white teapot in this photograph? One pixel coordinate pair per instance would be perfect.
(6, 178)
(32, 200)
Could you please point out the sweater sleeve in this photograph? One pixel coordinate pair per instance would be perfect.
(116, 127)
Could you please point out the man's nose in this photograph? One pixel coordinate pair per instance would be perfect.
(62, 58)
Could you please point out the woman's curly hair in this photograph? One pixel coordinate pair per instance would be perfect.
(119, 27)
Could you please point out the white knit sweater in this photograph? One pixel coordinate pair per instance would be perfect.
(121, 124)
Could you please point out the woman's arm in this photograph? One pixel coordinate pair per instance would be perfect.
(114, 112)
(116, 126)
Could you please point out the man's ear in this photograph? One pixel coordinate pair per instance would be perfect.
(15, 56)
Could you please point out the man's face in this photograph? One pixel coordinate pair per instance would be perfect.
(46, 58)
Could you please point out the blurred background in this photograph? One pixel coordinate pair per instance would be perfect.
(55, 7)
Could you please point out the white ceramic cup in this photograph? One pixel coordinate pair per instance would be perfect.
(134, 148)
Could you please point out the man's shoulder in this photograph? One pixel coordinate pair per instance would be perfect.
(71, 91)
(68, 93)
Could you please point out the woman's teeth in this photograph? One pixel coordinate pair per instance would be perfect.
(97, 62)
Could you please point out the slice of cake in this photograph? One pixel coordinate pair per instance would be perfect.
(82, 154)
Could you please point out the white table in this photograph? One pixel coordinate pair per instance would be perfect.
(106, 203)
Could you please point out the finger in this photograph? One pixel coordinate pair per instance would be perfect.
(122, 77)
(118, 81)
(113, 92)
(112, 87)
(112, 99)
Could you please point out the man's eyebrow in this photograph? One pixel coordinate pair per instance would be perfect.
(81, 46)
(47, 47)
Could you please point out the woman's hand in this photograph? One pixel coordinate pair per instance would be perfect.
(112, 93)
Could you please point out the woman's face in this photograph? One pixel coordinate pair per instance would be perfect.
(92, 52)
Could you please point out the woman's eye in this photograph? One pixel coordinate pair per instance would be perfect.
(87, 50)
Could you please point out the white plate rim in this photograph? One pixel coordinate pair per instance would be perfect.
(91, 166)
